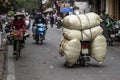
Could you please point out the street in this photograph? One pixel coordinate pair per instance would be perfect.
(43, 62)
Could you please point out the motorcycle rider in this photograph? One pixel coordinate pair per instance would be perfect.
(39, 19)
(17, 24)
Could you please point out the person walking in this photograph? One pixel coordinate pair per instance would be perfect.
(51, 20)
(1, 29)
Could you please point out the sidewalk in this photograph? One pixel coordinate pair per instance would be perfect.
(3, 55)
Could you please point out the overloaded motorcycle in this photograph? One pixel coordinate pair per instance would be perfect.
(18, 36)
(39, 32)
(84, 55)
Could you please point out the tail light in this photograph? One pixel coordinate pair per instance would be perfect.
(84, 45)
(112, 32)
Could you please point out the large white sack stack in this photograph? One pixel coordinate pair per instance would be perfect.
(85, 35)
(82, 21)
(62, 43)
(99, 48)
(91, 33)
(72, 51)
(71, 34)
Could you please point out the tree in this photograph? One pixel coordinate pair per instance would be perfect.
(28, 5)
(4, 7)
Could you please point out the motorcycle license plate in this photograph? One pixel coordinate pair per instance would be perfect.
(112, 35)
(85, 51)
(40, 29)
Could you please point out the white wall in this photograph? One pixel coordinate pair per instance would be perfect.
(84, 7)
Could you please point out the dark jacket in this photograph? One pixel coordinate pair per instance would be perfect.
(40, 19)
(51, 19)
(18, 24)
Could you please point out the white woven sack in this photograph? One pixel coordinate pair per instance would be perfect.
(91, 33)
(85, 35)
(82, 21)
(99, 48)
(71, 34)
(62, 43)
(72, 51)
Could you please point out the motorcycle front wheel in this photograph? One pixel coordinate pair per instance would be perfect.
(41, 39)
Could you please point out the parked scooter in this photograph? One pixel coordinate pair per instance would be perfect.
(7, 27)
(59, 23)
(39, 33)
(114, 34)
(7, 31)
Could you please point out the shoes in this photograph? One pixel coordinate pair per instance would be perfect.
(15, 52)
(23, 45)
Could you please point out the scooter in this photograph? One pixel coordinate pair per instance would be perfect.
(7, 31)
(40, 33)
(114, 34)
(84, 57)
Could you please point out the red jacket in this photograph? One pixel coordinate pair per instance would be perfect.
(18, 24)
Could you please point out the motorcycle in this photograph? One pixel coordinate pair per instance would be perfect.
(84, 55)
(7, 31)
(40, 32)
(59, 24)
(114, 34)
(7, 27)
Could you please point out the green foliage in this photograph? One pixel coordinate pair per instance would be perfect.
(27, 4)
(4, 8)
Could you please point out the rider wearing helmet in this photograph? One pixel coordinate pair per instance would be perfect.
(39, 19)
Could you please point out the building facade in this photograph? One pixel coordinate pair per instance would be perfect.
(112, 7)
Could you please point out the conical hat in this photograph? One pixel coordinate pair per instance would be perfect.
(20, 14)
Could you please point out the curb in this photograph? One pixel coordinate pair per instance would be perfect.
(10, 64)
(3, 62)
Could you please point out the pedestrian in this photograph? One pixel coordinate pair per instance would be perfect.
(48, 18)
(51, 20)
(1, 29)
(55, 17)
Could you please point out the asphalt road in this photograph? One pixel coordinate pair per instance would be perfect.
(43, 62)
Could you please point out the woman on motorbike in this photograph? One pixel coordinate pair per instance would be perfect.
(38, 20)
(17, 24)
